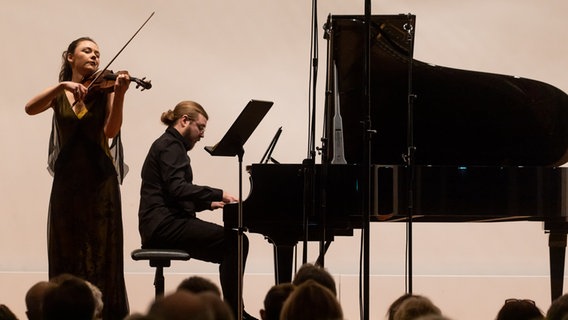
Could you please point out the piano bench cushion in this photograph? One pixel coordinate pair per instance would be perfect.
(159, 257)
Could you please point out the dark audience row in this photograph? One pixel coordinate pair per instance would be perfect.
(312, 295)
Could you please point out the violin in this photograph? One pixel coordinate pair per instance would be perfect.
(104, 82)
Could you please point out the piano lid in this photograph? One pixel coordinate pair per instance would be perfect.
(461, 117)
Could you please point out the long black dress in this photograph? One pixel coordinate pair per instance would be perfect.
(85, 236)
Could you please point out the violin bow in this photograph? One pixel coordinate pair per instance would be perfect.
(119, 52)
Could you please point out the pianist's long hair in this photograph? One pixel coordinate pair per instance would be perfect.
(189, 108)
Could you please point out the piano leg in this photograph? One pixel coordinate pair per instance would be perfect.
(283, 256)
(557, 251)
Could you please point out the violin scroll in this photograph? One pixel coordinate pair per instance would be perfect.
(139, 82)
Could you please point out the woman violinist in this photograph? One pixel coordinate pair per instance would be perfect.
(85, 236)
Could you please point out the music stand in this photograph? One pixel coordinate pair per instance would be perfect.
(232, 145)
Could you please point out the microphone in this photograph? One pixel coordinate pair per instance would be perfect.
(338, 152)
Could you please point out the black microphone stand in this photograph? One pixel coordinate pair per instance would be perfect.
(366, 168)
(411, 148)
(240, 233)
(309, 163)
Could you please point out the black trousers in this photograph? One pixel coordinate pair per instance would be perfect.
(209, 242)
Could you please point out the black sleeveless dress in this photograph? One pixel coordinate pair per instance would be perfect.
(85, 236)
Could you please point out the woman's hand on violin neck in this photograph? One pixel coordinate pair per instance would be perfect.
(122, 82)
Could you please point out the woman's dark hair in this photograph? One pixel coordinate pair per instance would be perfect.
(65, 73)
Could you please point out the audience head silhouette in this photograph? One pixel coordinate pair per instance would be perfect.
(34, 299)
(415, 306)
(221, 310)
(6, 313)
(197, 284)
(71, 298)
(396, 304)
(140, 316)
(519, 309)
(558, 310)
(433, 317)
(99, 304)
(181, 305)
(274, 300)
(311, 301)
(314, 272)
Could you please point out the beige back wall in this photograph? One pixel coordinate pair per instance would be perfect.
(224, 53)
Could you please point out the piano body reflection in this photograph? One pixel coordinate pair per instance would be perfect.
(488, 148)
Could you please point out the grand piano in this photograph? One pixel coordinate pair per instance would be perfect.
(488, 147)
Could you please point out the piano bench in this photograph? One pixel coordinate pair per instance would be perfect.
(159, 259)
